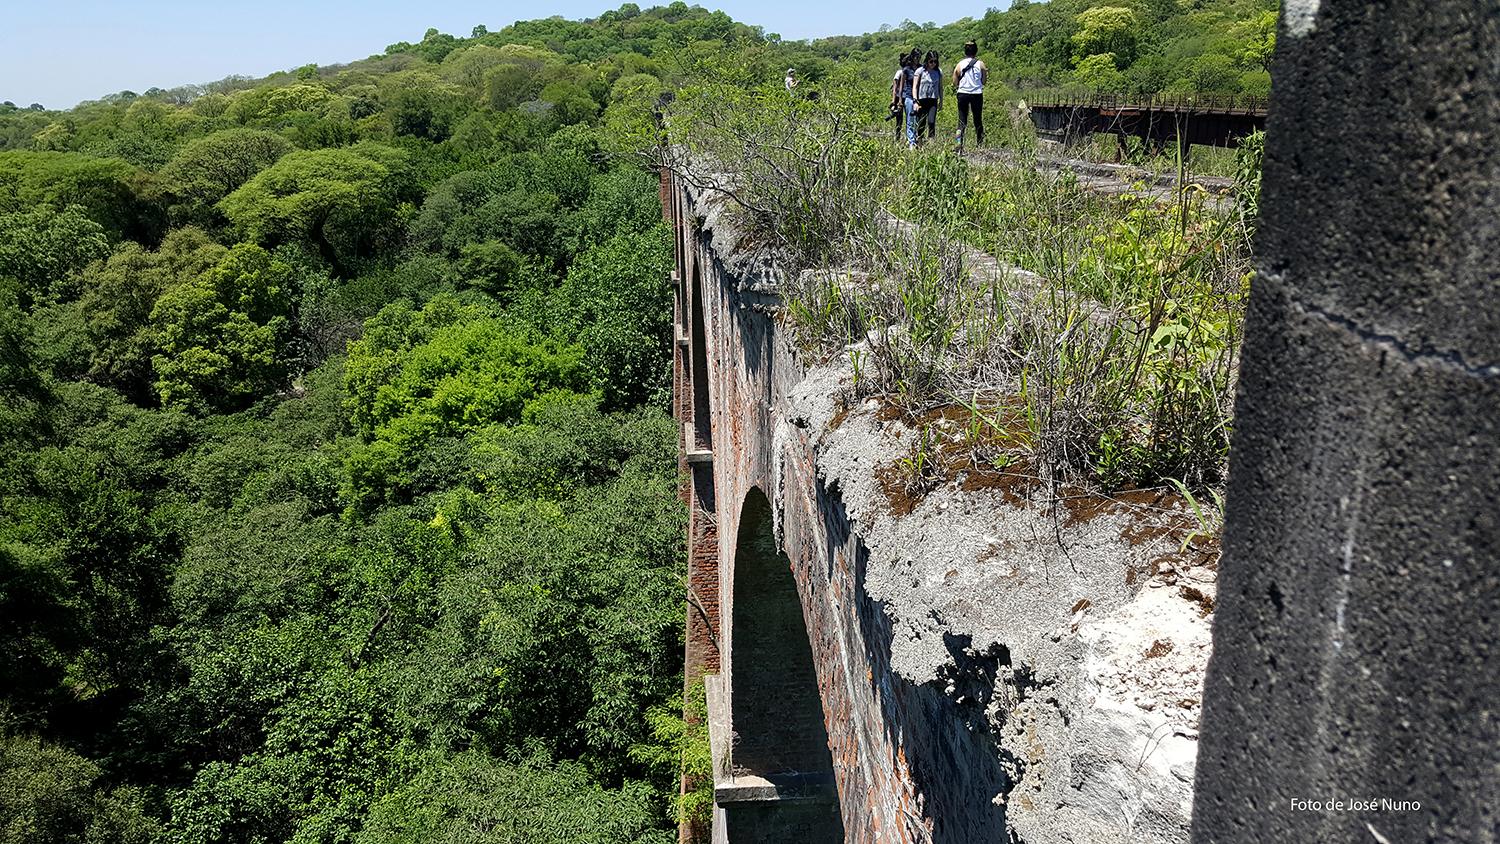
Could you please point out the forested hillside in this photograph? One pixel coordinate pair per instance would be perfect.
(339, 494)
(1135, 48)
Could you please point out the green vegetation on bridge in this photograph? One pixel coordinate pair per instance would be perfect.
(1089, 337)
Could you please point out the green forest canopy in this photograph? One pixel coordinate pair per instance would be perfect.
(339, 494)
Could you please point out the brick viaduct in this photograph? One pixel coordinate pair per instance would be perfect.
(777, 616)
(1358, 628)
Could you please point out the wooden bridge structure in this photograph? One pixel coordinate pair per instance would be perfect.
(1159, 121)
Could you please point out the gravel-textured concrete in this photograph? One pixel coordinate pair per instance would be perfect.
(1358, 630)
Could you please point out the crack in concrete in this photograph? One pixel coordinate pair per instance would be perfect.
(1448, 359)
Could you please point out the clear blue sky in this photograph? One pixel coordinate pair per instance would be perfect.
(58, 52)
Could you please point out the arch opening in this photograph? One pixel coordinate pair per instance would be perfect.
(698, 363)
(776, 714)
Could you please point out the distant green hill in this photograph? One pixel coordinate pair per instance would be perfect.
(1145, 47)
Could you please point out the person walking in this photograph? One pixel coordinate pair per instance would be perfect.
(969, 77)
(901, 101)
(927, 91)
(914, 65)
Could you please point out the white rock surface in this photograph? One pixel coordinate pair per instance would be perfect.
(1095, 703)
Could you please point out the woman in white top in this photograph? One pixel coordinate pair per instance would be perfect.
(968, 80)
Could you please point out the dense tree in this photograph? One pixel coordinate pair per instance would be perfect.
(506, 802)
(617, 303)
(1099, 73)
(470, 66)
(419, 103)
(42, 248)
(210, 168)
(19, 378)
(502, 203)
(82, 534)
(342, 202)
(51, 795)
(119, 296)
(1107, 30)
(619, 202)
(259, 105)
(445, 370)
(109, 190)
(222, 336)
(569, 103)
(491, 266)
(147, 133)
(518, 74)
(1156, 44)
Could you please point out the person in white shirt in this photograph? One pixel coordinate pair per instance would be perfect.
(968, 80)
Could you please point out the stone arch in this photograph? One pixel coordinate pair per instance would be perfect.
(780, 749)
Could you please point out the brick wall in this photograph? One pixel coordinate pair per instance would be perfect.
(909, 766)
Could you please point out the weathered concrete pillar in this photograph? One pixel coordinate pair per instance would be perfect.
(1357, 644)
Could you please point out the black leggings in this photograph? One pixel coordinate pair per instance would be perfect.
(976, 102)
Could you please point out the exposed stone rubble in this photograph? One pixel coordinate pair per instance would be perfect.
(1045, 617)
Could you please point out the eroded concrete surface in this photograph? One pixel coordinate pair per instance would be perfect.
(1088, 685)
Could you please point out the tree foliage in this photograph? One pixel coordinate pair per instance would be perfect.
(1156, 46)
(617, 302)
(1107, 30)
(342, 202)
(508, 803)
(52, 795)
(42, 248)
(222, 336)
(119, 296)
(208, 169)
(111, 191)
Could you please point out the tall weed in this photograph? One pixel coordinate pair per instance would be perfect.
(1114, 321)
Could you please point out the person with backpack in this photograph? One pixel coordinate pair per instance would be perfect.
(927, 91)
(969, 77)
(901, 101)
